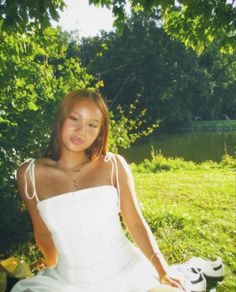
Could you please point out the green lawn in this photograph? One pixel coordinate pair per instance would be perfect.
(190, 208)
(214, 125)
(192, 213)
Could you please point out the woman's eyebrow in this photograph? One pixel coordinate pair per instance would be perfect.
(73, 112)
(95, 120)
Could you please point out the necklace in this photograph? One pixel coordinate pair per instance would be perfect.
(75, 170)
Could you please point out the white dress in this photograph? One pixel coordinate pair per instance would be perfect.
(94, 253)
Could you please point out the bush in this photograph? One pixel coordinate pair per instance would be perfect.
(160, 163)
(228, 161)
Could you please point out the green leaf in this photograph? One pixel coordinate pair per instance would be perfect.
(32, 106)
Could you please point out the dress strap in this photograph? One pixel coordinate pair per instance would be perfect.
(30, 170)
(111, 157)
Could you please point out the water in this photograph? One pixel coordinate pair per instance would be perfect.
(196, 146)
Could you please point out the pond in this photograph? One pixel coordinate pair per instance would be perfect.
(197, 146)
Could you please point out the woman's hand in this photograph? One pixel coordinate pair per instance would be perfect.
(167, 280)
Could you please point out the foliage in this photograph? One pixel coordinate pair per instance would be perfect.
(216, 125)
(221, 101)
(195, 23)
(207, 21)
(228, 161)
(35, 71)
(128, 125)
(176, 85)
(19, 14)
(158, 163)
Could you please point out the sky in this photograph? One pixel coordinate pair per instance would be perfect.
(89, 20)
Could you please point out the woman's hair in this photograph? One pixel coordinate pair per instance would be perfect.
(100, 145)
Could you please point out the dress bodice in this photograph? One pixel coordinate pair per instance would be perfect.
(86, 230)
(85, 227)
(94, 254)
(75, 219)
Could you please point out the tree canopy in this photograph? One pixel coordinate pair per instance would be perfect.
(18, 14)
(196, 23)
(178, 85)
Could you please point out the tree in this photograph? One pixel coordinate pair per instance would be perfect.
(36, 69)
(19, 14)
(175, 84)
(220, 103)
(143, 60)
(196, 23)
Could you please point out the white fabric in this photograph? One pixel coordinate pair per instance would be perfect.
(94, 253)
(30, 170)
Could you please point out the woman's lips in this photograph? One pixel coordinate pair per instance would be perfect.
(77, 141)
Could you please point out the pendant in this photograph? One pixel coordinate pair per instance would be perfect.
(76, 186)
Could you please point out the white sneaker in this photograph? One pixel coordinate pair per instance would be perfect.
(192, 281)
(212, 270)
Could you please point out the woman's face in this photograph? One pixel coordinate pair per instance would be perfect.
(81, 126)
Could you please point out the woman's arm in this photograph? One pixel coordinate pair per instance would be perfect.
(136, 224)
(41, 233)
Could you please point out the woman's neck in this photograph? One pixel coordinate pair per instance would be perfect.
(72, 160)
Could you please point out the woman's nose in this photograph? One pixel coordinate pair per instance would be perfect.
(80, 127)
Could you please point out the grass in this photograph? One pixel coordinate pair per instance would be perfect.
(214, 125)
(190, 208)
(192, 213)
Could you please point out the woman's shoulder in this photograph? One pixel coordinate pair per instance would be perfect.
(23, 167)
(28, 171)
(44, 162)
(117, 156)
(41, 163)
(120, 160)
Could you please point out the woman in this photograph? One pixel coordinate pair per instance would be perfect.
(74, 196)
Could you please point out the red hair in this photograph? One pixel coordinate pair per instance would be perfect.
(100, 145)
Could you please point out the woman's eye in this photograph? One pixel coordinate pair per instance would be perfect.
(73, 118)
(92, 126)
